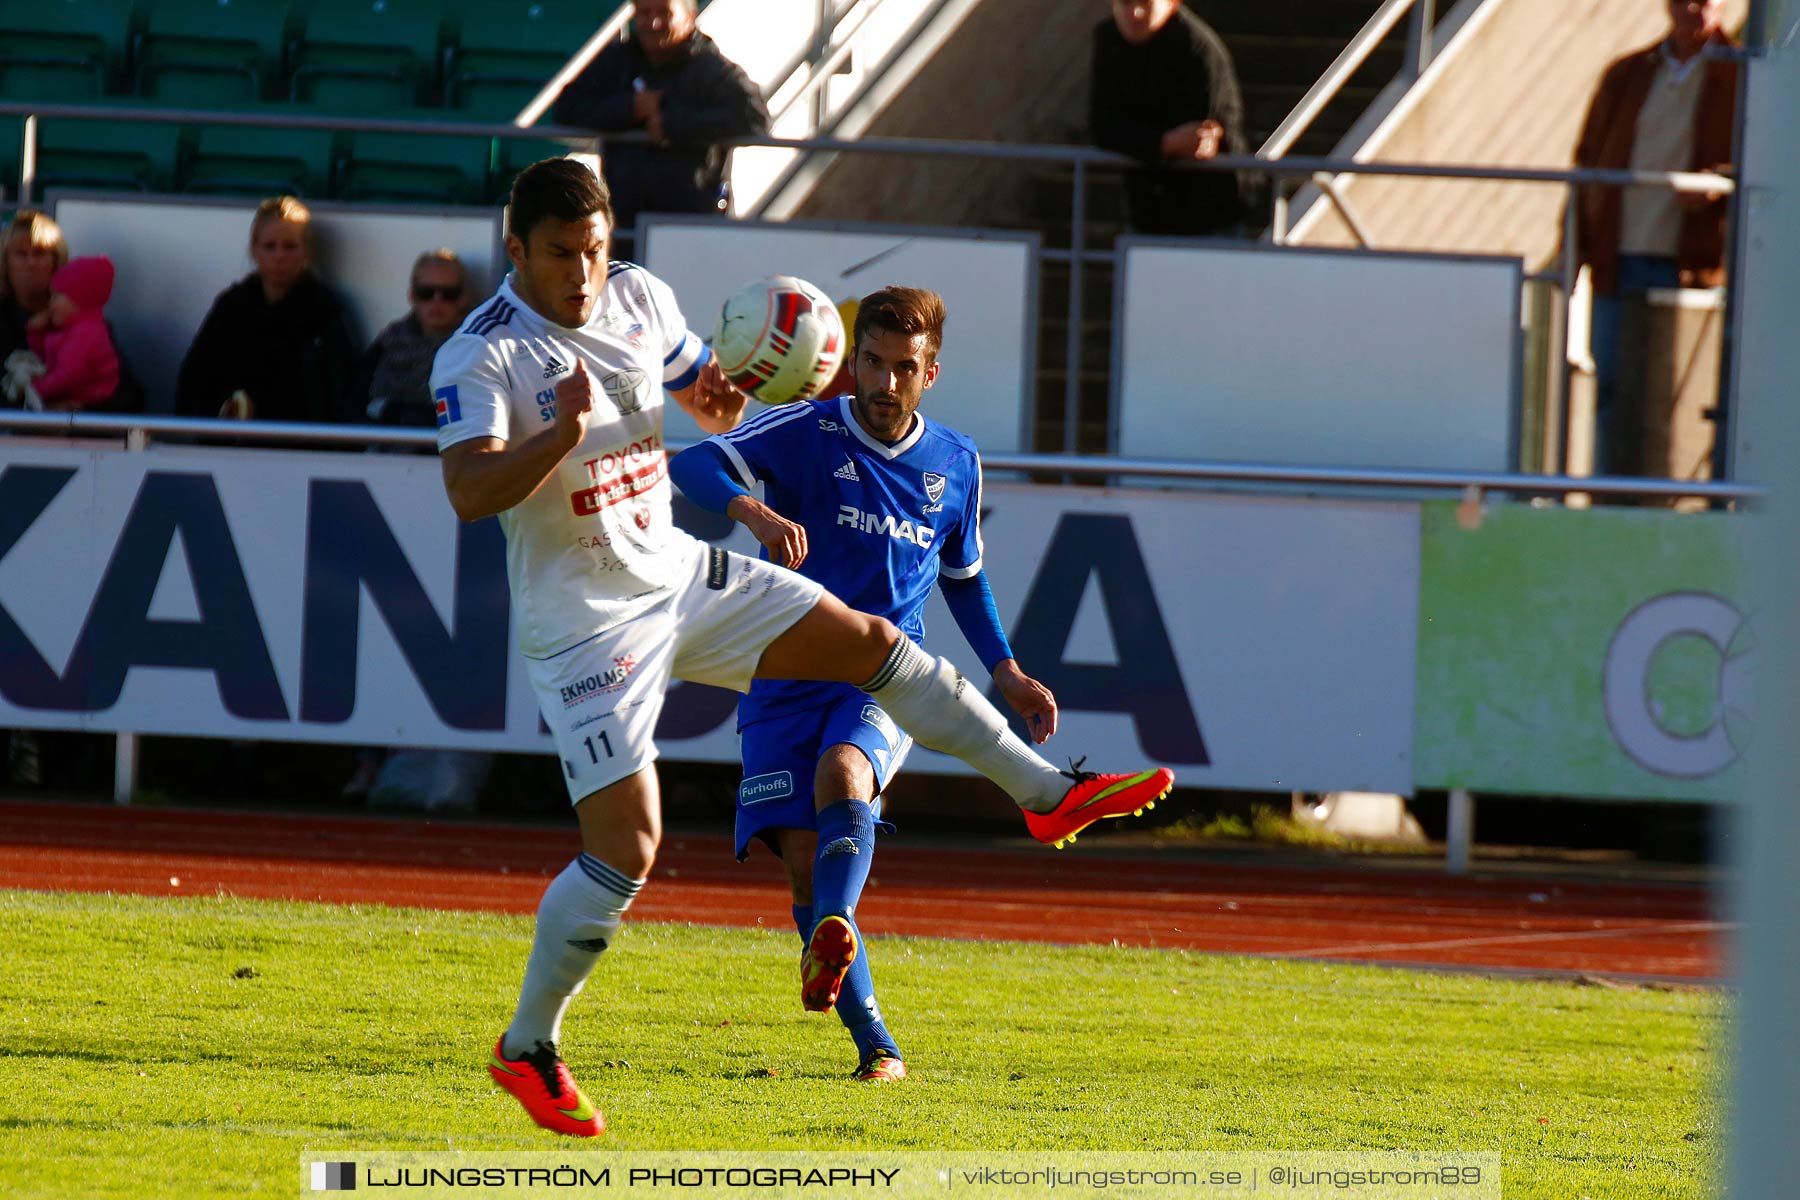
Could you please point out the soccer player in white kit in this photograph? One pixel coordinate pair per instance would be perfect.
(550, 417)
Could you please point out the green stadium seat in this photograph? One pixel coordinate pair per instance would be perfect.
(211, 53)
(508, 49)
(368, 55)
(62, 49)
(51, 83)
(415, 168)
(107, 155)
(245, 161)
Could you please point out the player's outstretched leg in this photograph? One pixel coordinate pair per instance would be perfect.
(1096, 797)
(1056, 804)
(930, 699)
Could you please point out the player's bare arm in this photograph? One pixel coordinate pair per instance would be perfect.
(715, 405)
(485, 476)
(783, 539)
(1034, 702)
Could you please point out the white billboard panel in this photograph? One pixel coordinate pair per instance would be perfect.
(1235, 352)
(987, 279)
(1248, 642)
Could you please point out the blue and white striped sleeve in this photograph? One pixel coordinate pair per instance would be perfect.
(681, 365)
(756, 448)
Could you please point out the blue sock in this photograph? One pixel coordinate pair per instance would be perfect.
(856, 1008)
(841, 864)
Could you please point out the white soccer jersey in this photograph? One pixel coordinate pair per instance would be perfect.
(595, 545)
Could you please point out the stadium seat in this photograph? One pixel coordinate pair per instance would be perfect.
(211, 53)
(62, 49)
(508, 49)
(107, 155)
(414, 168)
(238, 160)
(368, 55)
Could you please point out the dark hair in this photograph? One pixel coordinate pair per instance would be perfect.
(563, 189)
(904, 310)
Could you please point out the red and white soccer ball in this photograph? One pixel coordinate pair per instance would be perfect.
(779, 340)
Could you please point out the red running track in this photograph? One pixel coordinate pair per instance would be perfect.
(1167, 899)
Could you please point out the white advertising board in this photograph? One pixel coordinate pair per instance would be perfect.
(987, 279)
(174, 255)
(1235, 352)
(1248, 642)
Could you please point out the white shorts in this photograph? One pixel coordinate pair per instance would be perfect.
(601, 698)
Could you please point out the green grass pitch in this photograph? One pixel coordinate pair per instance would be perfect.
(181, 1047)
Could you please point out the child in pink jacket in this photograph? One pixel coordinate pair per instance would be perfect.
(81, 368)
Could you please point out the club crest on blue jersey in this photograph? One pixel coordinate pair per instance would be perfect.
(934, 487)
(449, 411)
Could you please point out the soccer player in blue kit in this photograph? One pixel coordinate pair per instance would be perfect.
(878, 504)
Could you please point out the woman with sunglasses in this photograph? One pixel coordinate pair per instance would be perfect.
(393, 387)
(275, 346)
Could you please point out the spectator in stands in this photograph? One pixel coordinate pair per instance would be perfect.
(32, 251)
(670, 79)
(275, 345)
(81, 368)
(1671, 106)
(1165, 91)
(393, 386)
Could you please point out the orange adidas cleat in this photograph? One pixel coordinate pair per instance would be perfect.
(1095, 797)
(828, 955)
(540, 1081)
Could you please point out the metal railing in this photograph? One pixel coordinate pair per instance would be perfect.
(1348, 61)
(578, 61)
(138, 431)
(1326, 88)
(812, 66)
(1081, 159)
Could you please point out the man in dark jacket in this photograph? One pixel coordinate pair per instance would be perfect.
(1164, 91)
(670, 79)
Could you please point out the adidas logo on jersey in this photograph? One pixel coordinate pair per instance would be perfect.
(554, 367)
(847, 471)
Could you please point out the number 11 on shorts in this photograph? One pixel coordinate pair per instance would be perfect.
(605, 744)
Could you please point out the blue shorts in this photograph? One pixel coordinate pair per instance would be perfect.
(781, 755)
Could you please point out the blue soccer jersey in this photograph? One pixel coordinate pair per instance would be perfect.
(882, 522)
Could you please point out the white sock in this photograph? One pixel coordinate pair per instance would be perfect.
(931, 700)
(578, 916)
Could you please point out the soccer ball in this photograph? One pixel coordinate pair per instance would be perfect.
(779, 340)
